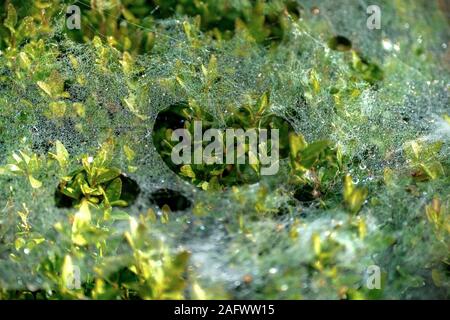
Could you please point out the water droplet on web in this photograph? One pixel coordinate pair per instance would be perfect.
(387, 44)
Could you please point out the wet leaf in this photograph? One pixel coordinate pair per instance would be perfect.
(187, 171)
(340, 43)
(62, 155)
(311, 153)
(114, 190)
(354, 197)
(36, 184)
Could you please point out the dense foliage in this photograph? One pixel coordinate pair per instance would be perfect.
(87, 187)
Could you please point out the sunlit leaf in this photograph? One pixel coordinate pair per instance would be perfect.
(106, 174)
(11, 18)
(36, 184)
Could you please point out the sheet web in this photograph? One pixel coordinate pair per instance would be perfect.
(108, 94)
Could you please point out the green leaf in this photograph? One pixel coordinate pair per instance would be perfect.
(67, 273)
(315, 82)
(62, 155)
(348, 186)
(316, 243)
(71, 192)
(353, 197)
(198, 292)
(187, 171)
(129, 153)
(81, 223)
(263, 103)
(119, 203)
(114, 190)
(57, 109)
(87, 190)
(24, 61)
(120, 215)
(11, 18)
(446, 117)
(45, 87)
(127, 62)
(437, 277)
(105, 175)
(129, 15)
(109, 265)
(13, 168)
(296, 144)
(19, 243)
(433, 169)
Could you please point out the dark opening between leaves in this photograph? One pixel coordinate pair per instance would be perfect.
(171, 118)
(305, 194)
(130, 190)
(255, 115)
(340, 43)
(174, 199)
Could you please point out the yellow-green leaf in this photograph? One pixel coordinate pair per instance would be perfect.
(105, 175)
(11, 18)
(36, 184)
(81, 222)
(187, 171)
(114, 190)
(354, 197)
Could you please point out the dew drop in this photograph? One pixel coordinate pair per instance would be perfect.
(315, 11)
(273, 270)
